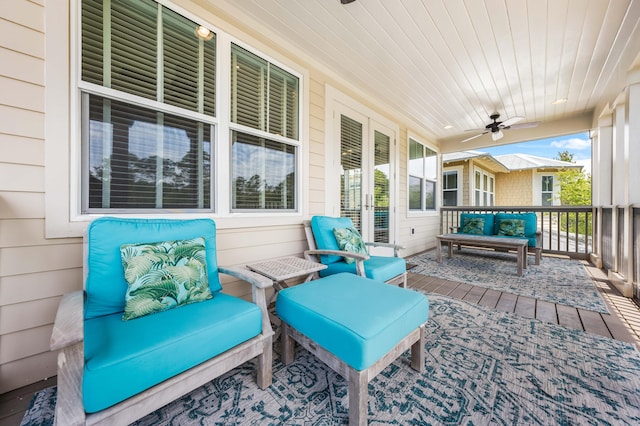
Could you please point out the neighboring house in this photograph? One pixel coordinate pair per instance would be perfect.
(475, 178)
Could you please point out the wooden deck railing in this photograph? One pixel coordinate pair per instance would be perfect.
(566, 230)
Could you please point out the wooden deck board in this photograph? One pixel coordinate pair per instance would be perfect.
(526, 306)
(490, 298)
(593, 323)
(569, 317)
(546, 311)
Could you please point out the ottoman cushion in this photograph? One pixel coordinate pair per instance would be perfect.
(356, 319)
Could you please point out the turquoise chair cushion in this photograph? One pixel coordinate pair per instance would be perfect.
(488, 221)
(377, 268)
(322, 227)
(123, 358)
(356, 319)
(530, 224)
(105, 285)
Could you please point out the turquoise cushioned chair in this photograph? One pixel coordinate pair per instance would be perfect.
(323, 246)
(114, 371)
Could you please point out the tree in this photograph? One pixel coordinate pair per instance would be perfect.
(575, 190)
(575, 186)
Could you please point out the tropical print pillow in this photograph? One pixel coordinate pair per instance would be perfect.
(473, 226)
(164, 275)
(349, 239)
(511, 227)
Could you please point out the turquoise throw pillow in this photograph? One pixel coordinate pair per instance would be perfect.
(164, 275)
(349, 239)
(473, 226)
(511, 227)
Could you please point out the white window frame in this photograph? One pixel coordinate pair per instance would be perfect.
(438, 179)
(537, 188)
(483, 190)
(62, 208)
(460, 188)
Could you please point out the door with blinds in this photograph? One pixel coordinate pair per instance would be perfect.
(366, 178)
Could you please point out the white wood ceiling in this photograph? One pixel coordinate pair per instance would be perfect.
(455, 62)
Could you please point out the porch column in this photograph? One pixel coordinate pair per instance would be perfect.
(602, 145)
(633, 159)
(633, 138)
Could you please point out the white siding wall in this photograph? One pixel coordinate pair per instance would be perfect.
(35, 271)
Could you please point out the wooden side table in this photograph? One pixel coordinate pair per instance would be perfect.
(284, 268)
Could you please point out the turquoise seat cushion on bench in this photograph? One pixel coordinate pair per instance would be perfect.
(530, 224)
(356, 319)
(377, 268)
(124, 358)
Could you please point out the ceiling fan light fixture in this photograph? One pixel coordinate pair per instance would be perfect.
(497, 135)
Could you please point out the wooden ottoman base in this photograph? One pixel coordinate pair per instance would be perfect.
(358, 379)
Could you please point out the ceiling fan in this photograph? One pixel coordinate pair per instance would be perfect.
(497, 127)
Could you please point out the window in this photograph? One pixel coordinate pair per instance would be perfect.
(547, 191)
(422, 177)
(484, 191)
(149, 117)
(450, 188)
(264, 98)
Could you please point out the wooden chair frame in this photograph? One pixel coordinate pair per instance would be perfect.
(313, 254)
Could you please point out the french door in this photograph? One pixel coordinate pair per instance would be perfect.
(366, 175)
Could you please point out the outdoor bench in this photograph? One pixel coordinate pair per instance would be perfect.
(503, 225)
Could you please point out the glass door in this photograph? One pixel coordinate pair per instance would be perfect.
(366, 179)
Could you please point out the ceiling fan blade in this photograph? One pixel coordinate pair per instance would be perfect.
(473, 137)
(475, 130)
(509, 121)
(525, 125)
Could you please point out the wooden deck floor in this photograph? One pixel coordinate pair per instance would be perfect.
(622, 324)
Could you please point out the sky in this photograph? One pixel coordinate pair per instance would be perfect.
(577, 144)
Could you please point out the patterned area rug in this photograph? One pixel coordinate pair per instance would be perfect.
(482, 367)
(561, 281)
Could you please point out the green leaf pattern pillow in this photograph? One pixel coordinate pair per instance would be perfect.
(511, 227)
(349, 239)
(164, 275)
(473, 226)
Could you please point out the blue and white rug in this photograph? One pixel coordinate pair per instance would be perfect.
(557, 280)
(482, 367)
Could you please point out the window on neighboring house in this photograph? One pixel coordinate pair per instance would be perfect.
(422, 177)
(149, 117)
(484, 190)
(450, 188)
(547, 191)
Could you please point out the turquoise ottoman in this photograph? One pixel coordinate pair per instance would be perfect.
(356, 326)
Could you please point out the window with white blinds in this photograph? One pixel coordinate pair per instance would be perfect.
(422, 177)
(264, 99)
(149, 116)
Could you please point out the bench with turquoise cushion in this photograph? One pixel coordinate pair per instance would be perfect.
(115, 371)
(491, 226)
(356, 326)
(323, 244)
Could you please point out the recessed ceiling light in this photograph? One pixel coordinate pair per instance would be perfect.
(204, 33)
(559, 101)
(448, 126)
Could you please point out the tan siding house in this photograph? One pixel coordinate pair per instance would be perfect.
(513, 179)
